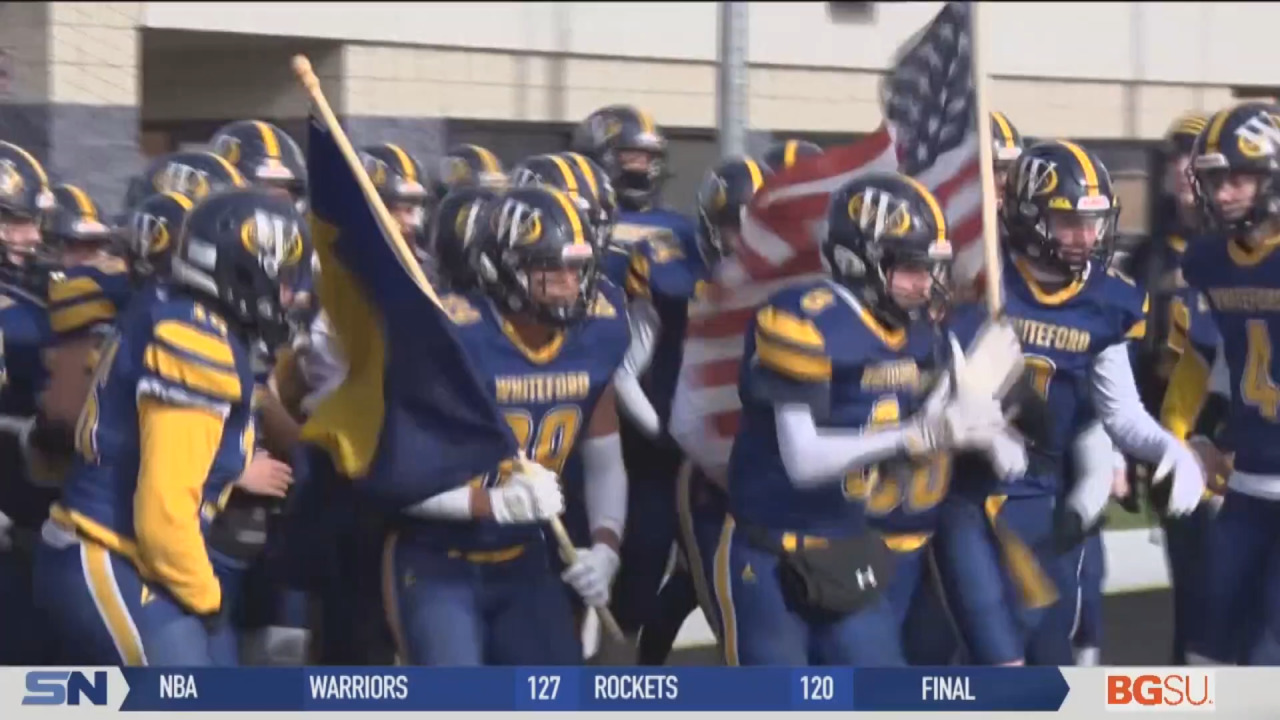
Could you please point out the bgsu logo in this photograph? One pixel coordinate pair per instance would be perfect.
(1160, 689)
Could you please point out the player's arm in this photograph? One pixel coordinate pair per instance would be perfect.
(1139, 435)
(592, 572)
(189, 388)
(606, 475)
(645, 326)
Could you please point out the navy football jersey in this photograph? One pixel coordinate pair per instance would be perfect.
(1062, 333)
(647, 226)
(167, 350)
(547, 396)
(1243, 290)
(24, 326)
(813, 343)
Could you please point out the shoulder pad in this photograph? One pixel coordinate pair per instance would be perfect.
(816, 301)
(459, 309)
(602, 308)
(191, 362)
(1120, 275)
(791, 345)
(78, 301)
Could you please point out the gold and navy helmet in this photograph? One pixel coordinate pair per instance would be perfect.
(1239, 141)
(610, 131)
(725, 192)
(460, 218)
(24, 184)
(881, 221)
(1181, 135)
(1006, 141)
(236, 249)
(468, 165)
(75, 218)
(191, 173)
(581, 178)
(536, 228)
(151, 232)
(396, 174)
(264, 154)
(781, 156)
(1059, 184)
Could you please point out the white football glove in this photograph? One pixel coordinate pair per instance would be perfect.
(591, 574)
(1181, 467)
(963, 422)
(993, 363)
(1008, 455)
(531, 495)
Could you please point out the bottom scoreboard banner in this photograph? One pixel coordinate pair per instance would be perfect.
(1071, 692)
(558, 689)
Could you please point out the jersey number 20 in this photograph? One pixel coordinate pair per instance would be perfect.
(883, 492)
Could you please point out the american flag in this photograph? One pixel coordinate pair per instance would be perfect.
(929, 131)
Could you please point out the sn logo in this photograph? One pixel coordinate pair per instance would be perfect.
(63, 687)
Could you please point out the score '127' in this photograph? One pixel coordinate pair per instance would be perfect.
(544, 687)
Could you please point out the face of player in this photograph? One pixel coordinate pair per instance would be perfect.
(20, 236)
(911, 285)
(409, 216)
(1077, 234)
(1233, 193)
(556, 286)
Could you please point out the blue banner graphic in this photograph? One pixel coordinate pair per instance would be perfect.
(595, 689)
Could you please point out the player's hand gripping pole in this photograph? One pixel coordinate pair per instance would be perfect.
(307, 77)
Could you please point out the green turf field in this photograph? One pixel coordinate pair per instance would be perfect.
(1120, 519)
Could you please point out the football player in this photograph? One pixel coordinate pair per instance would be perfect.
(265, 155)
(1236, 165)
(469, 569)
(661, 283)
(1006, 565)
(84, 301)
(24, 271)
(781, 156)
(460, 218)
(191, 173)
(399, 179)
(1179, 322)
(150, 233)
(129, 559)
(470, 166)
(834, 420)
(1008, 147)
(633, 152)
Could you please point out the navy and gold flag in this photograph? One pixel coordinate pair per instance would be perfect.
(411, 420)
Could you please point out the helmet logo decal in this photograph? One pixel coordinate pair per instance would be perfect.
(151, 232)
(183, 179)
(228, 146)
(517, 224)
(1259, 136)
(456, 170)
(376, 168)
(1038, 177)
(11, 182)
(872, 212)
(275, 240)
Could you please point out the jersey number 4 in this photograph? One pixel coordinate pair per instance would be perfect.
(920, 488)
(87, 423)
(1257, 388)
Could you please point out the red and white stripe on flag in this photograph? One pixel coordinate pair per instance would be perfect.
(781, 232)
